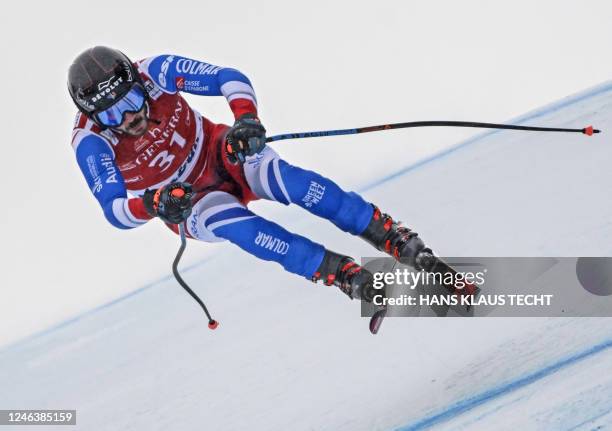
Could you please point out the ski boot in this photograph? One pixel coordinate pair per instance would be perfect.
(403, 244)
(352, 279)
(388, 235)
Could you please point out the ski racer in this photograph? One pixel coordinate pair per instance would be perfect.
(134, 134)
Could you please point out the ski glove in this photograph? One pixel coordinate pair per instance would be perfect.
(171, 203)
(246, 138)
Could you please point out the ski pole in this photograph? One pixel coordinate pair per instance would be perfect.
(587, 130)
(212, 324)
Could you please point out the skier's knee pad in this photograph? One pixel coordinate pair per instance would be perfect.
(214, 210)
(263, 175)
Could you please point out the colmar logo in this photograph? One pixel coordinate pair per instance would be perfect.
(271, 243)
(184, 65)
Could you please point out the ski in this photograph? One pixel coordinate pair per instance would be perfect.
(377, 319)
(434, 265)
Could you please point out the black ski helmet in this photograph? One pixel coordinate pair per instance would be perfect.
(99, 77)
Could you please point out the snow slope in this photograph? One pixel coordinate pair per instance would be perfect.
(292, 355)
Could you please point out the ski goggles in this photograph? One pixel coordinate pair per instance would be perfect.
(133, 101)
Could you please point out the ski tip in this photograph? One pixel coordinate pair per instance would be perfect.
(376, 321)
(213, 324)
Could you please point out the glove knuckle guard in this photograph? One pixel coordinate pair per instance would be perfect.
(245, 138)
(171, 203)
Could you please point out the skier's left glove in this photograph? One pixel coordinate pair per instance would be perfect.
(171, 203)
(246, 138)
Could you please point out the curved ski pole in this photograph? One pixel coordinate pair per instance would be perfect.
(212, 324)
(586, 131)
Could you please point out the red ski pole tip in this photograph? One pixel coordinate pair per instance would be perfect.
(213, 324)
(588, 131)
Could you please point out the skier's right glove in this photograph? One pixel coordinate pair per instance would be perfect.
(171, 203)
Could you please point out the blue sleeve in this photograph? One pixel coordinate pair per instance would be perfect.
(95, 158)
(174, 73)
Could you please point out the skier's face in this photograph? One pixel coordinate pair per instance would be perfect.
(134, 123)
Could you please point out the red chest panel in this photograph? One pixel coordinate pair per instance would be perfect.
(168, 150)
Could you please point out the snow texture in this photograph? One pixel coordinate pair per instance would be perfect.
(289, 354)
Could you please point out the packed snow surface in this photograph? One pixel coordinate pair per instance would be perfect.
(289, 354)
